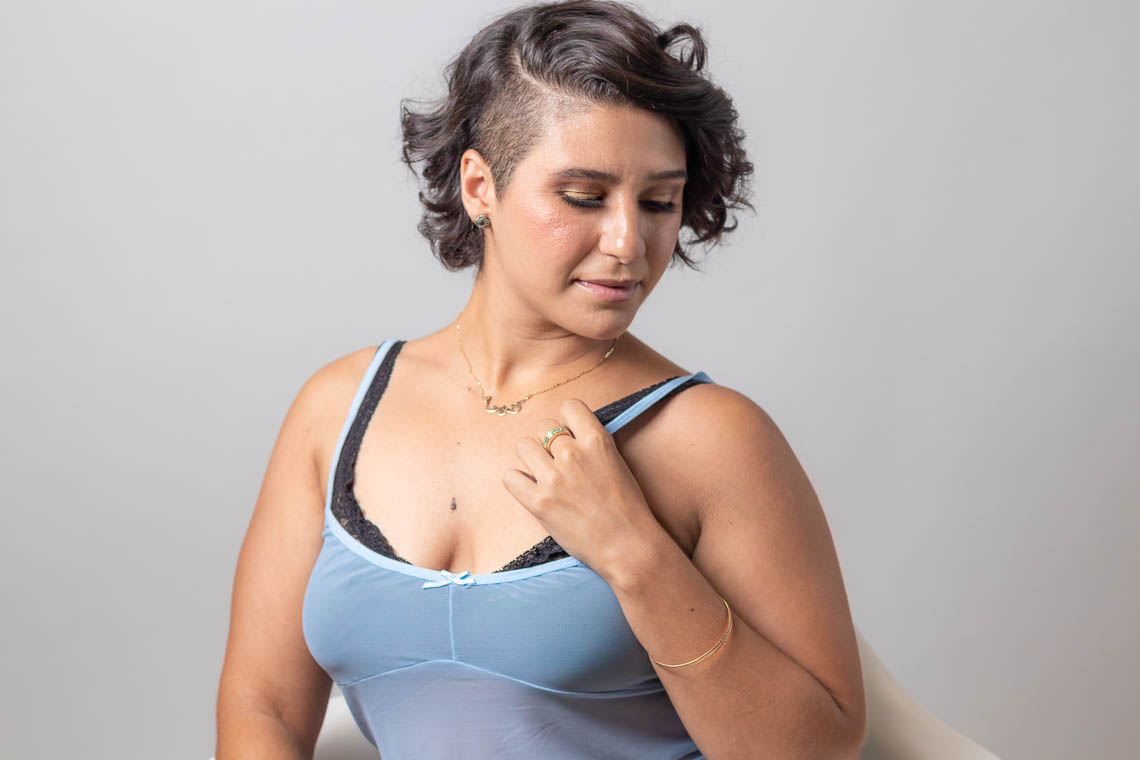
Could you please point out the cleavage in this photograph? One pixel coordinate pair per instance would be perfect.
(439, 500)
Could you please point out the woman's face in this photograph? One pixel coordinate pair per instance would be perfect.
(597, 198)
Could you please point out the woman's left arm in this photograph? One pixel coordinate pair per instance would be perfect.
(788, 682)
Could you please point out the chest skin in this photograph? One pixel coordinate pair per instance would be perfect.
(429, 470)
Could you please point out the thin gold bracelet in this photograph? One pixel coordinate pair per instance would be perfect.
(719, 644)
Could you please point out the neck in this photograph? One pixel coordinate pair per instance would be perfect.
(515, 350)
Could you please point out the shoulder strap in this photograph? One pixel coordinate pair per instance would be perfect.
(335, 474)
(673, 386)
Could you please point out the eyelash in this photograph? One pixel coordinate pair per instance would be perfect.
(663, 207)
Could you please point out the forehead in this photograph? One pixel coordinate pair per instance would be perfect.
(629, 142)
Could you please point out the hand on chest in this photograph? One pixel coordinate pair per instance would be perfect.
(450, 486)
(440, 499)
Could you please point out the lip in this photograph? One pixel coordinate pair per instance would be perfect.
(610, 290)
(611, 283)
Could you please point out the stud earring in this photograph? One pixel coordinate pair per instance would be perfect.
(482, 221)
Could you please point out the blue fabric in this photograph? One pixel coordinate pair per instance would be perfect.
(532, 663)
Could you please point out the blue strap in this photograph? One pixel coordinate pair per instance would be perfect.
(357, 400)
(652, 398)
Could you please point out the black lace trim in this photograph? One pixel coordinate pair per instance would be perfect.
(546, 550)
(344, 506)
(348, 512)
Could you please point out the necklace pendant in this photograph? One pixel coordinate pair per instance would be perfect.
(501, 410)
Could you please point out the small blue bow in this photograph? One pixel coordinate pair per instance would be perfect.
(462, 579)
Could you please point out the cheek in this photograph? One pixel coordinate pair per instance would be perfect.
(553, 232)
(661, 244)
(665, 229)
(660, 235)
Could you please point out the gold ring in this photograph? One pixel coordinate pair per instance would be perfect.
(551, 435)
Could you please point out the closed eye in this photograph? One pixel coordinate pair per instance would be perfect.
(658, 206)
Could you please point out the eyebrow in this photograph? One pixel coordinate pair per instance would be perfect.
(594, 174)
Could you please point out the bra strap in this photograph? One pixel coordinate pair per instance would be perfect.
(335, 469)
(652, 398)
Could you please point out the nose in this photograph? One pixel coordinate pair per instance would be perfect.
(621, 230)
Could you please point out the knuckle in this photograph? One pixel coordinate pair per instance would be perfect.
(593, 439)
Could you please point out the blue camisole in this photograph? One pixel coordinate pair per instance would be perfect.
(535, 660)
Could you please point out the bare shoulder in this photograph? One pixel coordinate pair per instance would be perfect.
(678, 454)
(336, 381)
(725, 438)
(325, 399)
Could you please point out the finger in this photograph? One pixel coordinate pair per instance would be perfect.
(577, 416)
(536, 459)
(557, 442)
(521, 486)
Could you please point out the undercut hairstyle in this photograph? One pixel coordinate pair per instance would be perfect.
(546, 61)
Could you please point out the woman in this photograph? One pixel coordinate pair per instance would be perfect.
(680, 596)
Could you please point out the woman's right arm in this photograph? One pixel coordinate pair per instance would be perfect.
(272, 695)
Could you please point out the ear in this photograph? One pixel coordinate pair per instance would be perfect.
(476, 186)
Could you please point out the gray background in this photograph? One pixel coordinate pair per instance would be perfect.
(936, 301)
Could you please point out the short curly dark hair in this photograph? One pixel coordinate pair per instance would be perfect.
(545, 59)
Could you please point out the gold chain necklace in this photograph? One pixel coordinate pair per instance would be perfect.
(516, 406)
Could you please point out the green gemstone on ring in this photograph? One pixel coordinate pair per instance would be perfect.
(551, 434)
